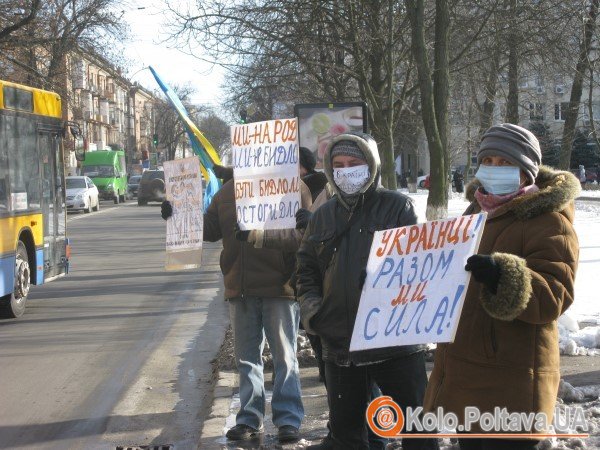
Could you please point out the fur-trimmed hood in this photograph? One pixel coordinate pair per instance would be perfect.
(368, 146)
(557, 188)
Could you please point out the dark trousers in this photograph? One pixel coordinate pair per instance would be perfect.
(349, 393)
(498, 444)
(315, 343)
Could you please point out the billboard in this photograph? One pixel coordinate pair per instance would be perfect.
(318, 123)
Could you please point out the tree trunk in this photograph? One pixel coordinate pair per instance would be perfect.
(512, 102)
(441, 94)
(491, 86)
(583, 64)
(437, 201)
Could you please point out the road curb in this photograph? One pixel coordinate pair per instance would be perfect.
(214, 424)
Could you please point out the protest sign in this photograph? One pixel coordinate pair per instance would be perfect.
(266, 174)
(183, 188)
(416, 283)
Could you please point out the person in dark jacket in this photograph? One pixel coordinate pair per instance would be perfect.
(459, 181)
(331, 269)
(315, 181)
(262, 304)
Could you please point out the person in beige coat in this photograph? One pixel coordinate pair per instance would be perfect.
(505, 353)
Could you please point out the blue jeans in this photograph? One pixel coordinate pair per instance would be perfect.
(252, 319)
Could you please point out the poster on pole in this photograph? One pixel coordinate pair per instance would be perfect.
(183, 188)
(319, 123)
(266, 174)
(416, 283)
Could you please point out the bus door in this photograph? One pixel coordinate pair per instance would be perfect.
(53, 203)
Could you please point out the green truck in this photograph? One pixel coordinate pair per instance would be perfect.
(108, 171)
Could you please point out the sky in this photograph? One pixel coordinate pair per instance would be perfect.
(147, 29)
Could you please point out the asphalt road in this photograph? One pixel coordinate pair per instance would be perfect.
(117, 353)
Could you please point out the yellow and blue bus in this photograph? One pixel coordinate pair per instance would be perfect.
(34, 248)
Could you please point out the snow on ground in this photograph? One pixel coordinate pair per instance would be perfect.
(591, 190)
(579, 327)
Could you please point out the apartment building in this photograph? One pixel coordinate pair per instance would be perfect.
(113, 112)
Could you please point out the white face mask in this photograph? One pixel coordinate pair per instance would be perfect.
(499, 180)
(351, 179)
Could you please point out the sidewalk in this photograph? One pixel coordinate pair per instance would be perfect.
(576, 370)
(226, 402)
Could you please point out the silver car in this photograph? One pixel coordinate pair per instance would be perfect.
(82, 194)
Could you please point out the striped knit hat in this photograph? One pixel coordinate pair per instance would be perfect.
(347, 148)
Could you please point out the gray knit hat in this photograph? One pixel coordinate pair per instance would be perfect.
(517, 144)
(347, 148)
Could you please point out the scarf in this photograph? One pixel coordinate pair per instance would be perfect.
(490, 202)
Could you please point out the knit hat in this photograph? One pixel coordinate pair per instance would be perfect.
(514, 143)
(307, 159)
(347, 148)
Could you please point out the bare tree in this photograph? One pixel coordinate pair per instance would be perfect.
(15, 15)
(216, 130)
(434, 86)
(345, 50)
(38, 50)
(169, 127)
(583, 66)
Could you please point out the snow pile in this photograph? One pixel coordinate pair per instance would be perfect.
(569, 393)
(588, 399)
(575, 341)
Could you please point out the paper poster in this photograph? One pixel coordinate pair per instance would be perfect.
(416, 283)
(266, 174)
(320, 123)
(18, 201)
(183, 185)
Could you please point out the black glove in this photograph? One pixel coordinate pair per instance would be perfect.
(224, 173)
(241, 235)
(302, 218)
(485, 270)
(166, 209)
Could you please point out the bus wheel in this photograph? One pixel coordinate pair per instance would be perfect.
(13, 305)
(122, 198)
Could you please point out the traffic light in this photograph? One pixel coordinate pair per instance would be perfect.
(243, 115)
(155, 139)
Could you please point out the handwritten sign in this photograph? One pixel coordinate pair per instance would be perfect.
(416, 283)
(266, 174)
(183, 187)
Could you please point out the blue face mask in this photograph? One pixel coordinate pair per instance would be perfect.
(499, 180)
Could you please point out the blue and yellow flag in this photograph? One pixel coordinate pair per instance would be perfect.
(201, 146)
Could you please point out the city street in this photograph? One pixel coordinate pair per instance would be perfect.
(117, 353)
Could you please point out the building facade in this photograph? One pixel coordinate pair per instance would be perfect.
(113, 112)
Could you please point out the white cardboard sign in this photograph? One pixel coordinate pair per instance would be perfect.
(185, 228)
(266, 174)
(416, 283)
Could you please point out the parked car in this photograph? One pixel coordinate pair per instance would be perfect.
(133, 184)
(421, 181)
(152, 187)
(82, 194)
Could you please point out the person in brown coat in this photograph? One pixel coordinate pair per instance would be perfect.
(505, 353)
(262, 304)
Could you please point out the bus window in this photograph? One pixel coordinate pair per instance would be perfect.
(24, 172)
(3, 168)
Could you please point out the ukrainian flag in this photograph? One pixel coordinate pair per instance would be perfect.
(201, 146)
